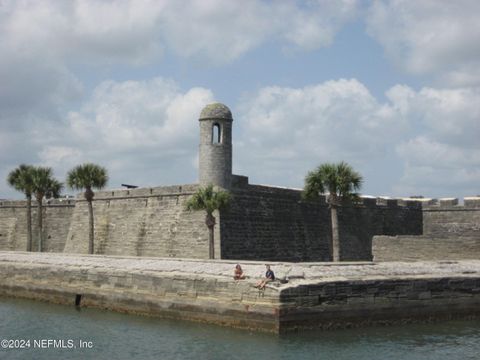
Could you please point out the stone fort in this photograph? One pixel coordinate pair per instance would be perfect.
(261, 223)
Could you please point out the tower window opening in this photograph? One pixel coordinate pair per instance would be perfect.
(216, 134)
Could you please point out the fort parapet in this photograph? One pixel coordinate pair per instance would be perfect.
(261, 223)
(450, 231)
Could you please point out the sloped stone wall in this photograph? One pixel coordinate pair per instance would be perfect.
(262, 223)
(141, 222)
(268, 223)
(56, 222)
(360, 223)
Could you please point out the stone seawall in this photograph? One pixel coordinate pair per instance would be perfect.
(177, 289)
(312, 295)
(379, 300)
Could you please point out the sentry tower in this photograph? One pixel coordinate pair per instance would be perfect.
(215, 163)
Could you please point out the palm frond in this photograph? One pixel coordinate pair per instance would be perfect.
(339, 180)
(87, 176)
(54, 189)
(44, 184)
(21, 179)
(208, 199)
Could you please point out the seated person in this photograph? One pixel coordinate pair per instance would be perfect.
(269, 277)
(238, 273)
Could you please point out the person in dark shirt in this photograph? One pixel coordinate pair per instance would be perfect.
(269, 277)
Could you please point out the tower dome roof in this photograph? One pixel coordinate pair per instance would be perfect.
(216, 111)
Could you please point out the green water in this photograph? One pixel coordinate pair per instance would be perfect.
(120, 336)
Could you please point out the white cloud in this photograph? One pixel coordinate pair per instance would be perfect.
(446, 154)
(423, 151)
(429, 138)
(431, 167)
(138, 31)
(452, 115)
(221, 31)
(317, 24)
(60, 156)
(430, 37)
(53, 51)
(439, 39)
(136, 128)
(83, 30)
(292, 130)
(47, 46)
(146, 133)
(139, 114)
(449, 115)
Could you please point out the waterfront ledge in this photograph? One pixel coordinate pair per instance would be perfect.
(307, 295)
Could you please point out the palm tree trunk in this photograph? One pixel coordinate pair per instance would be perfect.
(40, 224)
(29, 222)
(90, 227)
(335, 234)
(211, 249)
(210, 221)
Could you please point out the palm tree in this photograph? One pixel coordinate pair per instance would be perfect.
(209, 199)
(341, 182)
(44, 185)
(21, 179)
(88, 176)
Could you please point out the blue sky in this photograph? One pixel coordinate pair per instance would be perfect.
(391, 87)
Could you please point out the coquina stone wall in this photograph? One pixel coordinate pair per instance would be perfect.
(375, 216)
(262, 223)
(450, 231)
(141, 222)
(416, 248)
(446, 219)
(269, 223)
(56, 222)
(276, 224)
